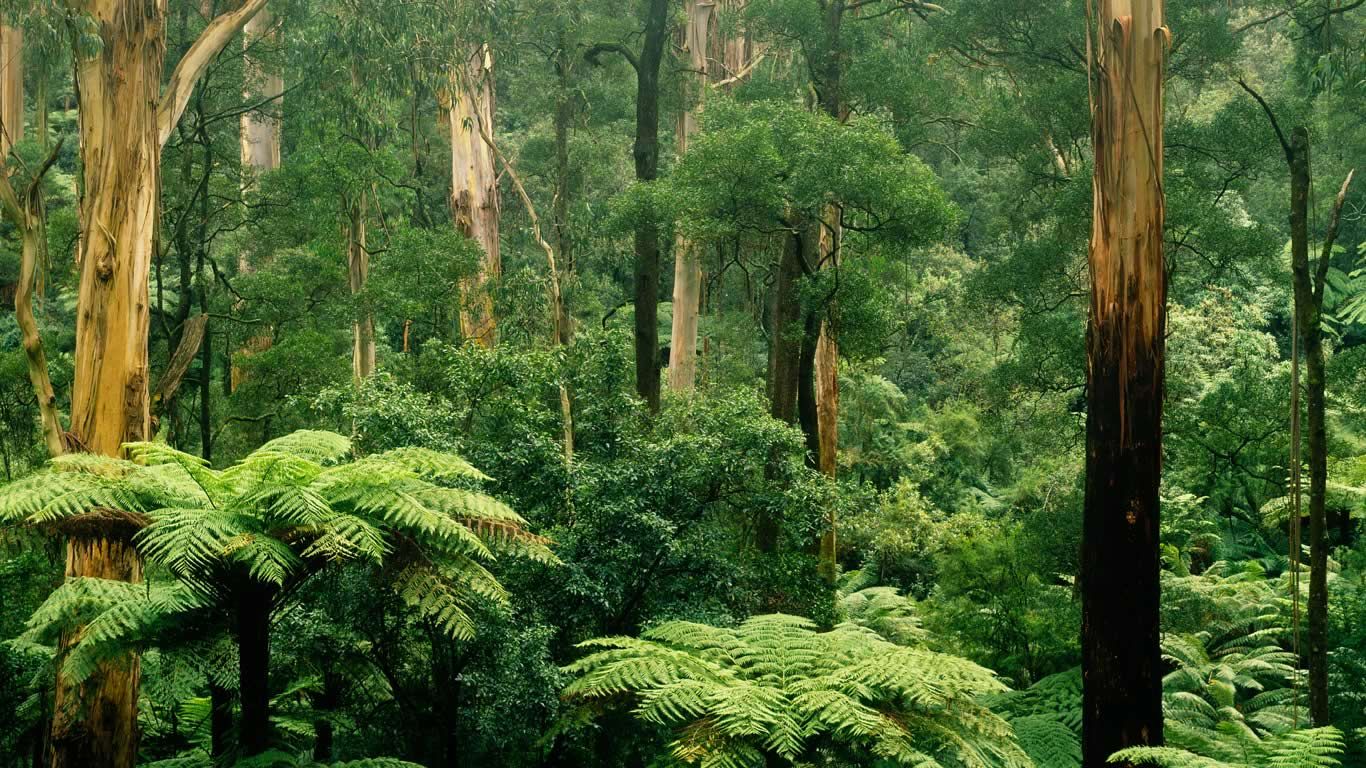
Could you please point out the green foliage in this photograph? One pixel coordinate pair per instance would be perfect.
(774, 685)
(292, 507)
(1312, 748)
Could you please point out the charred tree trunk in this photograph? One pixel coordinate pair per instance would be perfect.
(474, 190)
(687, 295)
(646, 154)
(1120, 586)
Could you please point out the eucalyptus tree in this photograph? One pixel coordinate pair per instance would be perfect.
(654, 21)
(127, 114)
(1126, 342)
(764, 172)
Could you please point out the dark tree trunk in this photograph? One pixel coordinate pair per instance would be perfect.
(807, 410)
(1308, 317)
(328, 702)
(1125, 345)
(253, 640)
(646, 153)
(220, 719)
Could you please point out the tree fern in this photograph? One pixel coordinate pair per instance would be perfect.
(774, 686)
(1309, 748)
(289, 508)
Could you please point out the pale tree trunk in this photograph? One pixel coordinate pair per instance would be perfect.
(358, 268)
(125, 117)
(25, 209)
(11, 88)
(474, 190)
(687, 254)
(827, 397)
(259, 138)
(561, 330)
(1121, 653)
(564, 241)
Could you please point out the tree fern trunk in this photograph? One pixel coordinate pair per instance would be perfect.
(253, 651)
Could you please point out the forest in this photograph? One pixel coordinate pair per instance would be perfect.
(682, 383)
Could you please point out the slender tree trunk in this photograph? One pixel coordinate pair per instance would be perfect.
(687, 254)
(1307, 317)
(358, 263)
(474, 190)
(1121, 654)
(253, 643)
(259, 135)
(564, 240)
(27, 213)
(646, 153)
(11, 88)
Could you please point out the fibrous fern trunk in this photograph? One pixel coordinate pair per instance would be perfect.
(1121, 653)
(254, 602)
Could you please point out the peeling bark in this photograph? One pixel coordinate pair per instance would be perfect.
(1120, 586)
(687, 254)
(474, 190)
(125, 117)
(11, 88)
(358, 269)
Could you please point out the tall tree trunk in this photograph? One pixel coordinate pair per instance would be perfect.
(1307, 319)
(646, 154)
(125, 117)
(11, 88)
(564, 240)
(259, 134)
(687, 254)
(358, 267)
(1121, 654)
(1309, 292)
(786, 332)
(254, 602)
(474, 190)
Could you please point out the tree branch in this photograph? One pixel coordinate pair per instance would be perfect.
(210, 43)
(1330, 237)
(1285, 145)
(593, 55)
